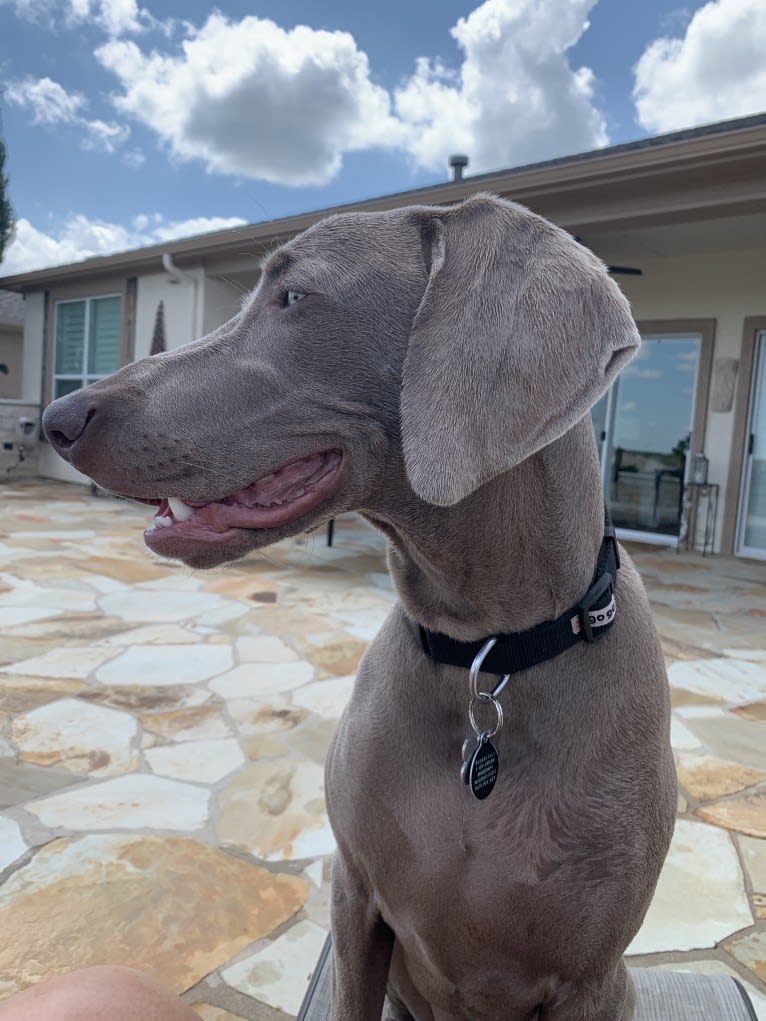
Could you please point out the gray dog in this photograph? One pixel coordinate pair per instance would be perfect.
(433, 368)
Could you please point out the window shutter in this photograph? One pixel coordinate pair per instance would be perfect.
(104, 339)
(70, 337)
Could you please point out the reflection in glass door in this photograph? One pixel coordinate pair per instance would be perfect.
(752, 532)
(644, 427)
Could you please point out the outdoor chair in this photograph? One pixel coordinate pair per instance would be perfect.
(662, 995)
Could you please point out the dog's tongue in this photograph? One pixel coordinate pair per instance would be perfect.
(275, 499)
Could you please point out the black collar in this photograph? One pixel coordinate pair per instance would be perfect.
(587, 621)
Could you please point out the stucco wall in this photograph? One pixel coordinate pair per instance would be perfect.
(727, 287)
(11, 344)
(222, 301)
(34, 343)
(183, 309)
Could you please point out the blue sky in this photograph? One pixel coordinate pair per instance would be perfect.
(128, 124)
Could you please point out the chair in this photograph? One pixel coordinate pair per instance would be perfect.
(662, 995)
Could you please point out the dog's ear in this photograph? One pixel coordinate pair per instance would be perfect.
(519, 332)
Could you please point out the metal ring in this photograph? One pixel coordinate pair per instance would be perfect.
(486, 698)
(481, 655)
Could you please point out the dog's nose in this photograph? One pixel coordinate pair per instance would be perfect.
(66, 419)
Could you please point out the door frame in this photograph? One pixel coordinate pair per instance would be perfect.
(733, 496)
(705, 329)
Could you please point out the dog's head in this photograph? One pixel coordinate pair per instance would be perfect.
(455, 342)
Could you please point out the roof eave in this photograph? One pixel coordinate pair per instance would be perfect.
(726, 142)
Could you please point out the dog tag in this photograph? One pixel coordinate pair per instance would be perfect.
(482, 769)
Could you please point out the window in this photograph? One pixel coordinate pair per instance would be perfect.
(87, 345)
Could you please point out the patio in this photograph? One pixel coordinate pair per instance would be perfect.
(162, 735)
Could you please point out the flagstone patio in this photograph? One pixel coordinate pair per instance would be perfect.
(162, 735)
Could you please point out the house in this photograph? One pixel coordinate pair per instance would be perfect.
(681, 221)
(11, 341)
(18, 418)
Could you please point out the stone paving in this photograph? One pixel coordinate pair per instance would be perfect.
(162, 735)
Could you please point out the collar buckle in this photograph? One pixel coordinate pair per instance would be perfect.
(586, 609)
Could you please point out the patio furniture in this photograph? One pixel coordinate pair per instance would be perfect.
(707, 493)
(648, 471)
(662, 995)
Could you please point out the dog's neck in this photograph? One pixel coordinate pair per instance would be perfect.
(519, 551)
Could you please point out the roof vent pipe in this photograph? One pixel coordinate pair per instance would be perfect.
(458, 163)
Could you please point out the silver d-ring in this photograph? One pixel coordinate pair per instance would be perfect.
(486, 698)
(481, 655)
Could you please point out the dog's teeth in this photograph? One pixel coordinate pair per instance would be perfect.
(179, 510)
(160, 522)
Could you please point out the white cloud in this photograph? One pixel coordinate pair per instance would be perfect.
(114, 17)
(50, 104)
(282, 106)
(714, 72)
(285, 106)
(81, 238)
(515, 98)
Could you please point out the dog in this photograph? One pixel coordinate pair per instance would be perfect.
(498, 841)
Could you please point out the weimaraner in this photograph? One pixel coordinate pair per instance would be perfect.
(433, 369)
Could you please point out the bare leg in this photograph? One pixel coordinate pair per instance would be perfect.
(104, 993)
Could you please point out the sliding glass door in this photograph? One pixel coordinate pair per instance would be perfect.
(644, 426)
(752, 526)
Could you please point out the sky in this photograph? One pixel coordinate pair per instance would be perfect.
(127, 125)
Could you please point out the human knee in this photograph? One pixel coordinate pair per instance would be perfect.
(100, 993)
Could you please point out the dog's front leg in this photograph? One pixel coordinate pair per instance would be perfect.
(615, 1000)
(362, 945)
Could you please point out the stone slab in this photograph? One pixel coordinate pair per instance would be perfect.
(197, 761)
(168, 905)
(700, 898)
(750, 950)
(706, 777)
(12, 844)
(78, 737)
(279, 974)
(729, 680)
(151, 606)
(73, 662)
(275, 810)
(325, 698)
(189, 724)
(746, 812)
(149, 665)
(210, 1013)
(258, 680)
(20, 782)
(726, 734)
(754, 857)
(136, 801)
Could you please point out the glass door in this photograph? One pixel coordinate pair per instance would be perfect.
(644, 425)
(752, 527)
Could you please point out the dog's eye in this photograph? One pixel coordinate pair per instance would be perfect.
(293, 297)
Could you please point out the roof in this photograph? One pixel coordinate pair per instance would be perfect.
(11, 307)
(714, 170)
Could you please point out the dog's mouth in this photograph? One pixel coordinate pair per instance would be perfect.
(276, 499)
